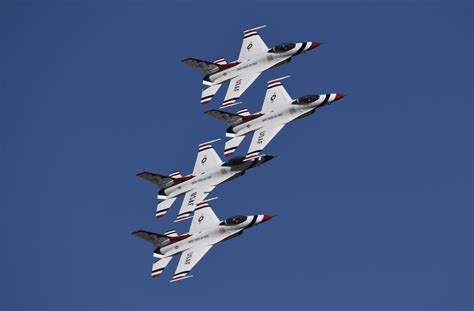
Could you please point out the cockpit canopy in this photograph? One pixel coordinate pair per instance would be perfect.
(233, 221)
(284, 47)
(307, 99)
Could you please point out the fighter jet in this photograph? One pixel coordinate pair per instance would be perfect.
(209, 171)
(254, 58)
(206, 230)
(278, 110)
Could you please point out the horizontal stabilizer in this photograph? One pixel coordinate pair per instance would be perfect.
(209, 92)
(163, 207)
(232, 144)
(159, 266)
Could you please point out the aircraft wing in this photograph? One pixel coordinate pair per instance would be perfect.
(261, 138)
(203, 218)
(276, 96)
(252, 44)
(206, 158)
(191, 198)
(188, 260)
(237, 87)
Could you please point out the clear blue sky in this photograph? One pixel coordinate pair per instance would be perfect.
(374, 193)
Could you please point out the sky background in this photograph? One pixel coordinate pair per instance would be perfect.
(373, 194)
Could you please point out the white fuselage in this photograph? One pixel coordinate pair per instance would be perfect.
(274, 117)
(210, 236)
(255, 64)
(209, 178)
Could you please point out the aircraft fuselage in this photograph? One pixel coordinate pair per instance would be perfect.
(253, 65)
(278, 116)
(260, 62)
(209, 178)
(212, 235)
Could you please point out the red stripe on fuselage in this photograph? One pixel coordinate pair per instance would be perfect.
(179, 238)
(182, 179)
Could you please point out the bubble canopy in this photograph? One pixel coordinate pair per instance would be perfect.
(232, 221)
(284, 47)
(307, 99)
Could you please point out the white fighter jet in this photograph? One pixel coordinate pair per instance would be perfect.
(278, 110)
(206, 230)
(254, 58)
(209, 171)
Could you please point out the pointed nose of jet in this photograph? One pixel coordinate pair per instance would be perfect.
(267, 158)
(339, 96)
(313, 45)
(263, 218)
(264, 159)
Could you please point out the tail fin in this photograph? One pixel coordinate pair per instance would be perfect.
(232, 144)
(209, 92)
(158, 240)
(228, 117)
(203, 65)
(160, 180)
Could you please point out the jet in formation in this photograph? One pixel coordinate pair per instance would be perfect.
(254, 58)
(278, 109)
(206, 230)
(209, 171)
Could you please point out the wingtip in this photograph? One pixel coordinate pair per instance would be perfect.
(209, 142)
(277, 79)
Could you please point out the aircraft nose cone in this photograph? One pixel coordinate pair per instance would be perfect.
(266, 217)
(313, 45)
(265, 159)
(339, 96)
(268, 158)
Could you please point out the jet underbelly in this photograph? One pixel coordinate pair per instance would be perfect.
(268, 119)
(208, 237)
(294, 113)
(252, 65)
